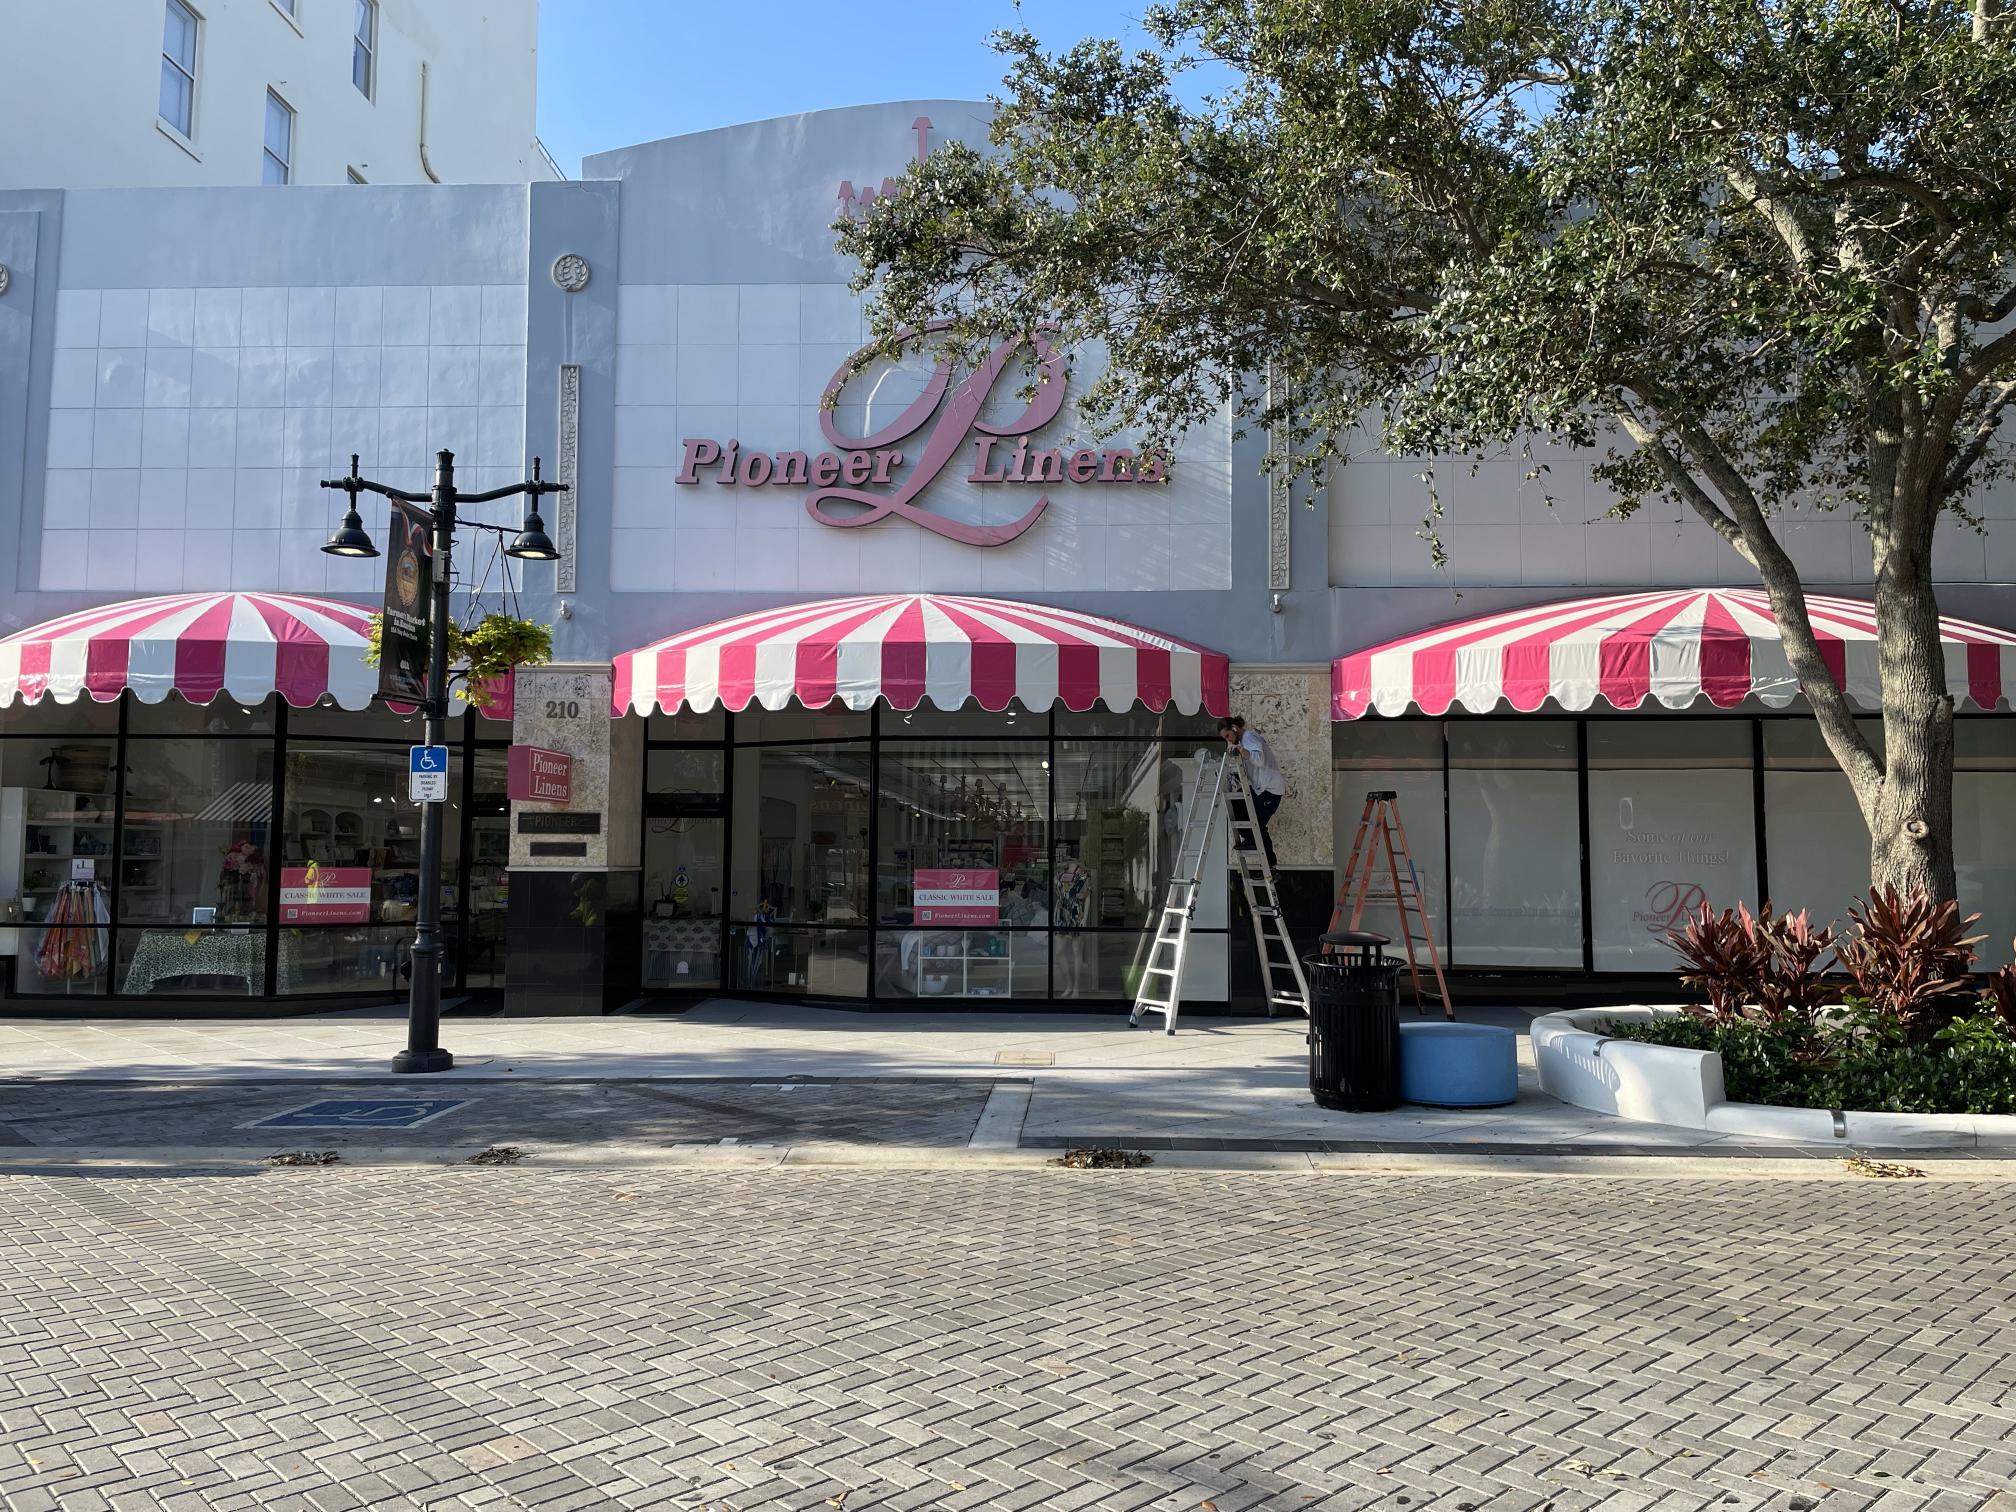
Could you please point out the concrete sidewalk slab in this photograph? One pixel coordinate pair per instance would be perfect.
(1092, 1078)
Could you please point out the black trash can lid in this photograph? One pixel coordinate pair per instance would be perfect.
(1339, 939)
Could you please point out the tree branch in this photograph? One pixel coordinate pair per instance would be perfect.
(1760, 547)
(1977, 444)
(1777, 214)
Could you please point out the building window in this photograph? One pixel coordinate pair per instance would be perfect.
(178, 68)
(364, 50)
(279, 140)
(1671, 827)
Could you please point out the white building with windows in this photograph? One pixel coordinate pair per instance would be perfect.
(169, 93)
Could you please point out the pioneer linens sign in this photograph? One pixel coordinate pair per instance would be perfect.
(864, 479)
(536, 775)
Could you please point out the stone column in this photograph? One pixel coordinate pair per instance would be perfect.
(575, 943)
(1291, 707)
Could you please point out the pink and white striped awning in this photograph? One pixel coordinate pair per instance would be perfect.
(906, 647)
(1676, 645)
(249, 645)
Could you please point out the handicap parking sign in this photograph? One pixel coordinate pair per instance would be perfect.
(363, 1113)
(427, 769)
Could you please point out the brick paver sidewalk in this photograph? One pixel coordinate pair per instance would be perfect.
(861, 1339)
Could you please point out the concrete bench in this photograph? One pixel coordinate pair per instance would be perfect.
(1448, 1065)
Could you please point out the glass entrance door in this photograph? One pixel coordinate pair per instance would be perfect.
(685, 838)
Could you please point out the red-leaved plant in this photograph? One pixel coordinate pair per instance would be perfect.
(1758, 965)
(1792, 987)
(1908, 957)
(2001, 998)
(1722, 957)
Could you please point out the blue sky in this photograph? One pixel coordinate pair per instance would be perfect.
(616, 72)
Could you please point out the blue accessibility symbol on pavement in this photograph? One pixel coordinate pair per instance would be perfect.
(364, 1113)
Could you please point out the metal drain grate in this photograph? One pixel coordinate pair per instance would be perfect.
(1025, 1058)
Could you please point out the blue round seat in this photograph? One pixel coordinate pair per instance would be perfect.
(1448, 1065)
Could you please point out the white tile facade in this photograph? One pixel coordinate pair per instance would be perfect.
(189, 429)
(751, 361)
(1501, 528)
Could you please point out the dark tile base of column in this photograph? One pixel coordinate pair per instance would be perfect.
(1306, 900)
(574, 942)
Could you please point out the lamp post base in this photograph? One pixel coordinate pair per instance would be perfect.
(414, 1061)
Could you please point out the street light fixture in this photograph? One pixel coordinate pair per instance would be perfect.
(423, 1050)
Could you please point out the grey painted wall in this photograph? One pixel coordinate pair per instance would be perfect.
(744, 205)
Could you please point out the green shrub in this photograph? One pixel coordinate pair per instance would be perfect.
(1860, 1059)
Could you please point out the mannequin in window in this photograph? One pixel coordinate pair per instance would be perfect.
(1071, 896)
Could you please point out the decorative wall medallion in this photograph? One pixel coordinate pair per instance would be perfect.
(567, 504)
(6, 278)
(570, 272)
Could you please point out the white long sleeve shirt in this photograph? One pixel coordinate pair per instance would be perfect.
(1261, 768)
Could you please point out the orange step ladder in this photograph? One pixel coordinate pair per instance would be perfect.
(1380, 830)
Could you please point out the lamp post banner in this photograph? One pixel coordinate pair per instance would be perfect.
(409, 584)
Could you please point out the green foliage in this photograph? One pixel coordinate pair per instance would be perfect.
(484, 653)
(1760, 253)
(1728, 223)
(1858, 1059)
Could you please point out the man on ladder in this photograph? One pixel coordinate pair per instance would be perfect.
(1263, 775)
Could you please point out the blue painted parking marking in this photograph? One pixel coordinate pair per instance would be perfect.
(363, 1113)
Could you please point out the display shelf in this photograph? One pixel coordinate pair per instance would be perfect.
(954, 973)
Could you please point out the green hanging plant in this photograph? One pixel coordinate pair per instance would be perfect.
(485, 653)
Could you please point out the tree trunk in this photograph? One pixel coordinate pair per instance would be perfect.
(1911, 817)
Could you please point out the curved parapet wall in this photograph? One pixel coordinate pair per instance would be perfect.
(1581, 1064)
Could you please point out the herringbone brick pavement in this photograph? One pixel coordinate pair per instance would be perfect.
(859, 1339)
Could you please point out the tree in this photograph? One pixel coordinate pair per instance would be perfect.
(1759, 251)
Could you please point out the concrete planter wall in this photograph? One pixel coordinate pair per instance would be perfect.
(1581, 1064)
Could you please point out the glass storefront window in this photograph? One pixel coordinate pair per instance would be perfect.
(968, 806)
(83, 716)
(57, 784)
(962, 963)
(801, 835)
(1515, 853)
(489, 874)
(1119, 819)
(821, 962)
(1140, 723)
(686, 725)
(833, 722)
(377, 722)
(684, 772)
(1404, 757)
(347, 811)
(963, 841)
(196, 848)
(1818, 846)
(1670, 828)
(928, 720)
(175, 715)
(685, 833)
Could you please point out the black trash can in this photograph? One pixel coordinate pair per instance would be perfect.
(1354, 1023)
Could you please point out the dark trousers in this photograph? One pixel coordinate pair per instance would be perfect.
(1264, 805)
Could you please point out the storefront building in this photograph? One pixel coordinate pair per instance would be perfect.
(887, 696)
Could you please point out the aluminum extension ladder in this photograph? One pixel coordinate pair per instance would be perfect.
(1161, 986)
(1379, 828)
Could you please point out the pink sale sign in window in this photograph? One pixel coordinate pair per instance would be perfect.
(956, 896)
(315, 894)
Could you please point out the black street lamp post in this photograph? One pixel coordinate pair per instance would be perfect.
(423, 1050)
